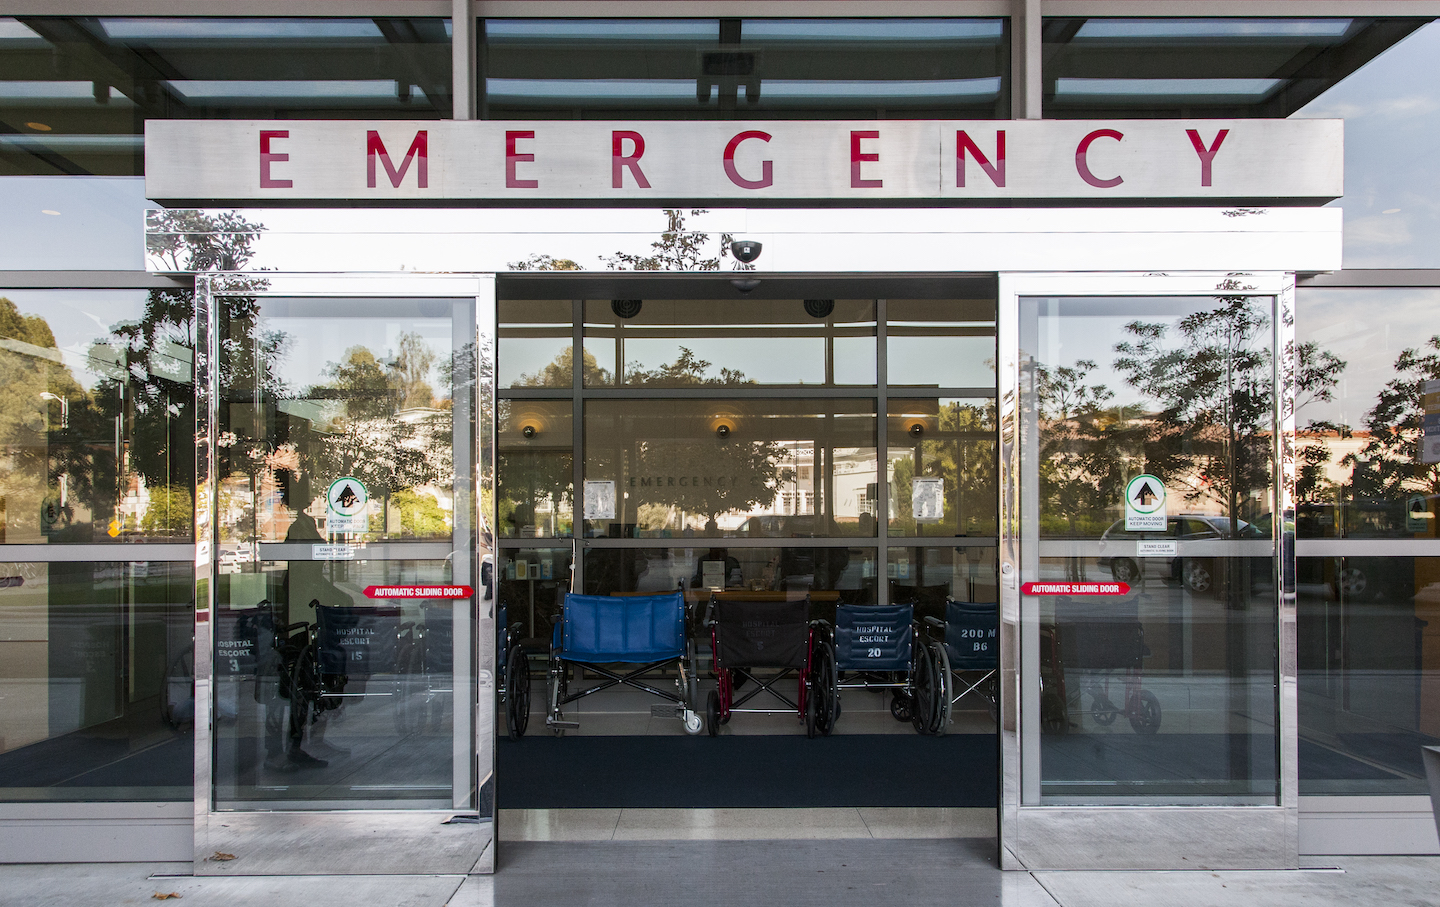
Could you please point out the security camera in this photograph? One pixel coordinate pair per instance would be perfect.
(746, 250)
(529, 432)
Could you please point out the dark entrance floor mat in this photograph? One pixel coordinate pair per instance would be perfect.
(544, 772)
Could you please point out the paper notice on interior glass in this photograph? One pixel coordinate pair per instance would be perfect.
(600, 500)
(1430, 435)
(712, 574)
(927, 499)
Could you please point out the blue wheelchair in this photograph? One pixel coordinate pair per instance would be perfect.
(881, 648)
(970, 656)
(605, 634)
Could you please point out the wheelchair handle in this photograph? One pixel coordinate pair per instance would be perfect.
(935, 622)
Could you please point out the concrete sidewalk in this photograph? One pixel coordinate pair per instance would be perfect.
(955, 873)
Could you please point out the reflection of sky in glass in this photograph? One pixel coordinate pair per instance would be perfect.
(78, 318)
(1391, 108)
(1367, 328)
(98, 225)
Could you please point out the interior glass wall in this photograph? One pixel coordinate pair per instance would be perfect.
(1158, 684)
(1369, 567)
(744, 68)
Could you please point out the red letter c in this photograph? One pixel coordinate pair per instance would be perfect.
(1084, 168)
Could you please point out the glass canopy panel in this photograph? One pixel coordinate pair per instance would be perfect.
(75, 92)
(1232, 67)
(750, 68)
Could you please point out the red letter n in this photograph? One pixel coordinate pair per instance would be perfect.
(419, 148)
(996, 172)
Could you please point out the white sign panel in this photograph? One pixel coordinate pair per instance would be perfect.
(650, 162)
(927, 500)
(1157, 549)
(347, 506)
(600, 500)
(1145, 504)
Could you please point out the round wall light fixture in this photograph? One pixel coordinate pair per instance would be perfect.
(625, 308)
(819, 308)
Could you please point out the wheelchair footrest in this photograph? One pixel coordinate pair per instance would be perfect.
(551, 722)
(673, 710)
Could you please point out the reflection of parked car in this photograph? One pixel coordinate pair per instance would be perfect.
(1366, 578)
(1199, 574)
(778, 526)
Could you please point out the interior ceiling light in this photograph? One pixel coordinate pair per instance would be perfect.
(48, 211)
(38, 127)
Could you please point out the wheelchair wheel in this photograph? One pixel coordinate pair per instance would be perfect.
(712, 713)
(826, 689)
(305, 686)
(517, 692)
(925, 716)
(902, 707)
(812, 717)
(1145, 718)
(942, 679)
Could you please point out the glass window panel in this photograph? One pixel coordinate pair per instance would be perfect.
(1199, 67)
(372, 724)
(96, 676)
(533, 583)
(535, 344)
(302, 410)
(928, 577)
(689, 343)
(949, 440)
(1369, 634)
(75, 91)
(1391, 108)
(535, 441)
(940, 342)
(98, 424)
(755, 68)
(1163, 689)
(1360, 412)
(771, 468)
(75, 223)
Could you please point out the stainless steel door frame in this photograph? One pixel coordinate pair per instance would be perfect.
(1131, 837)
(339, 841)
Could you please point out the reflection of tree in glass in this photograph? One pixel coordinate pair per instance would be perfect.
(678, 249)
(1215, 389)
(530, 476)
(561, 371)
(1084, 444)
(37, 447)
(687, 370)
(1389, 465)
(384, 426)
(961, 451)
(1317, 372)
(735, 475)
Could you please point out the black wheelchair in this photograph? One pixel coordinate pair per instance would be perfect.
(881, 648)
(514, 674)
(780, 638)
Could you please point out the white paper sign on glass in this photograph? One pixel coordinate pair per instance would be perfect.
(927, 500)
(1145, 504)
(648, 162)
(600, 500)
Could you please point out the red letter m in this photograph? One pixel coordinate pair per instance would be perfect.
(420, 147)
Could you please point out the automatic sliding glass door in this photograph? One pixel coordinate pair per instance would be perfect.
(1150, 493)
(346, 568)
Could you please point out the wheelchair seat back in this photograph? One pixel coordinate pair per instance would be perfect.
(439, 620)
(356, 641)
(754, 634)
(873, 638)
(972, 635)
(632, 629)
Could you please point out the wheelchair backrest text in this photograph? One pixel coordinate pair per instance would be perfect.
(763, 634)
(872, 638)
(357, 641)
(971, 635)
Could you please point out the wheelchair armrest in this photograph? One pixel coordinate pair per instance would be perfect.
(935, 622)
